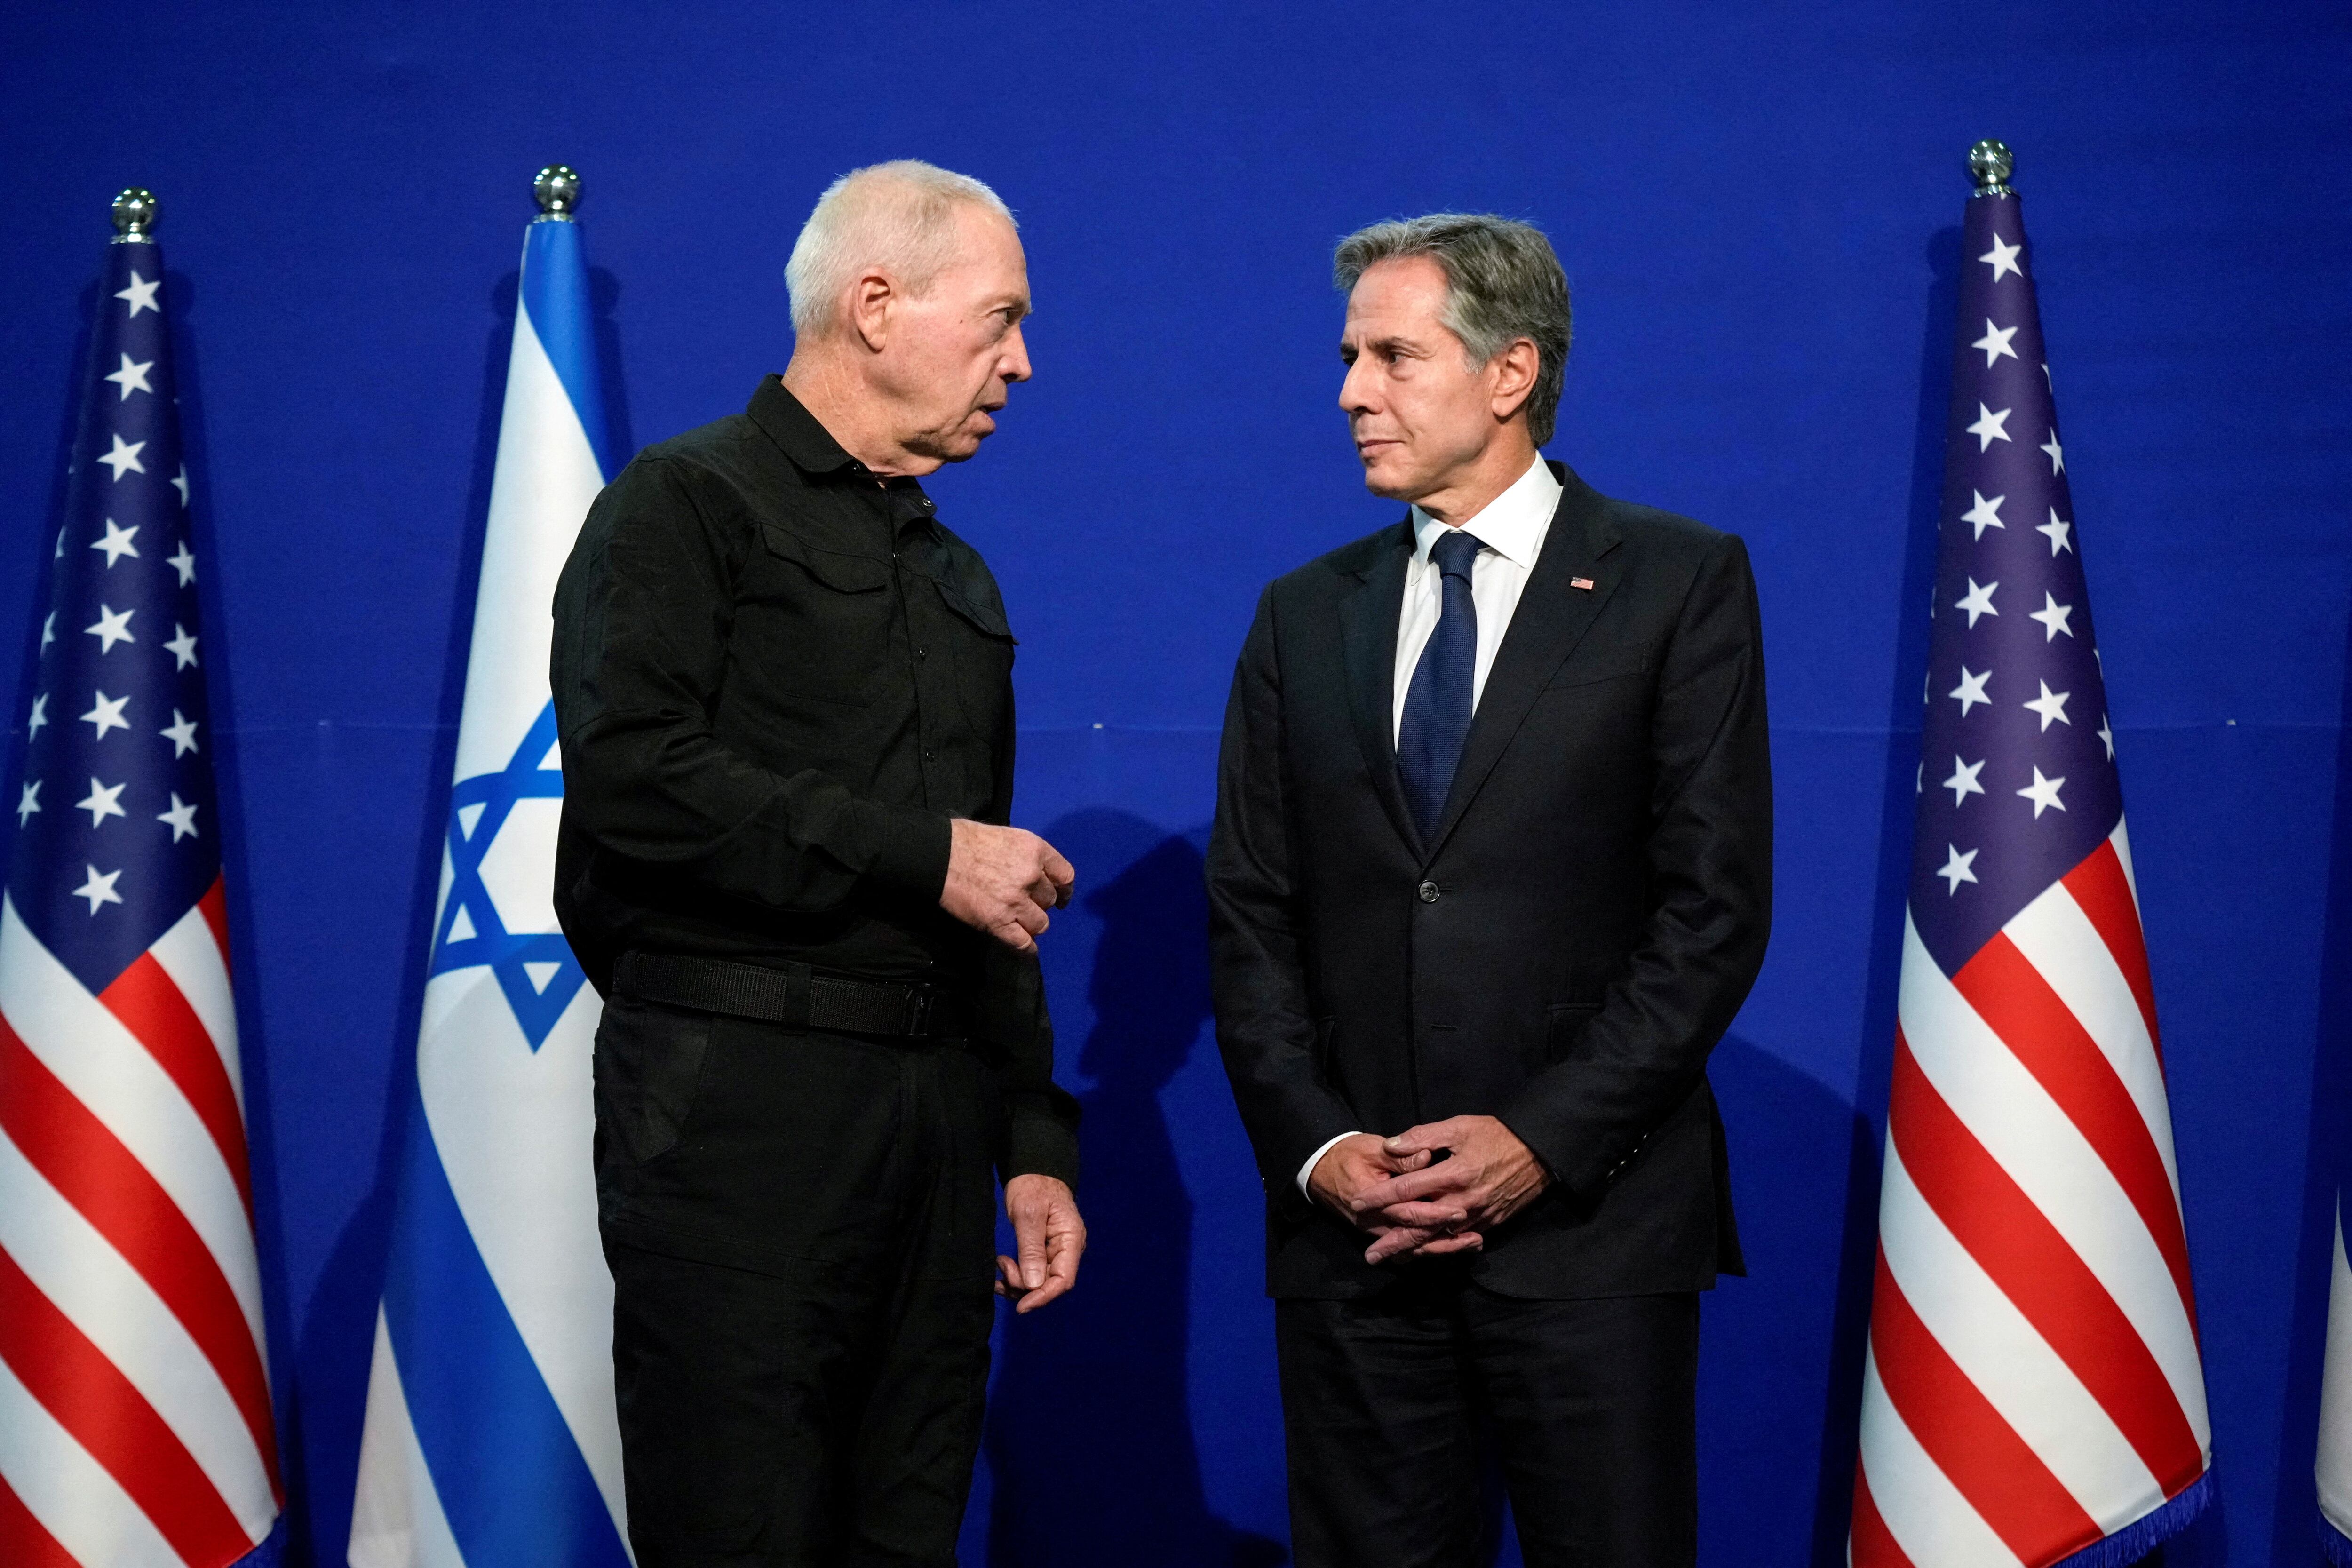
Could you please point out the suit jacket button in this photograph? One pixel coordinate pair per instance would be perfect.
(1429, 892)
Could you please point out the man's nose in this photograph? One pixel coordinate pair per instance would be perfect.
(1355, 390)
(1014, 364)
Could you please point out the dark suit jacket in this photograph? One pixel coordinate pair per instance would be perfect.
(1567, 948)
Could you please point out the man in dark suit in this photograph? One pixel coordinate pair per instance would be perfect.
(1490, 876)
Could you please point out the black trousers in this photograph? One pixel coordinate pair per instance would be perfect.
(1394, 1403)
(802, 1232)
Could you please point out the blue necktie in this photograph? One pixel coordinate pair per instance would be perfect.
(1437, 704)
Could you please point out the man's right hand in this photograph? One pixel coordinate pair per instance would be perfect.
(1002, 880)
(1357, 1164)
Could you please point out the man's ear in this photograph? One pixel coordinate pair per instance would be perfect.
(1515, 377)
(871, 300)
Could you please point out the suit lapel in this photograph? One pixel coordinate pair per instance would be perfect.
(1367, 626)
(1550, 621)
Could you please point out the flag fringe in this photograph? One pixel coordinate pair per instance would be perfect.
(2149, 1530)
(2333, 1544)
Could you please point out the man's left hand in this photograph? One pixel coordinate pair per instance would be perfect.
(1490, 1176)
(1049, 1237)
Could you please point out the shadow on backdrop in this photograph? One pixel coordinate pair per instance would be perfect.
(1898, 799)
(1763, 1356)
(1090, 1440)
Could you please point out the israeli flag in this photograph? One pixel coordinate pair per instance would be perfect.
(490, 1440)
(2335, 1415)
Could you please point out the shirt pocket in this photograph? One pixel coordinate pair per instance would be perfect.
(983, 644)
(831, 619)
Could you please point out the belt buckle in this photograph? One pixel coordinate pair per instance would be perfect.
(919, 1009)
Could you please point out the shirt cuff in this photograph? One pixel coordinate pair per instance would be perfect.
(1314, 1159)
(911, 848)
(1041, 1138)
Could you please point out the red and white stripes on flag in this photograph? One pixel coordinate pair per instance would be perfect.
(135, 1426)
(2033, 1386)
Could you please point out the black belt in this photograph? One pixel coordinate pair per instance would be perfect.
(794, 994)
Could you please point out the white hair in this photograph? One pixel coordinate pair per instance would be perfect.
(898, 216)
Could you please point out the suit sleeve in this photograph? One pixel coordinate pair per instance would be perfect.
(1258, 979)
(1710, 861)
(643, 613)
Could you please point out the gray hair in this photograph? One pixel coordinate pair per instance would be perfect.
(1503, 282)
(898, 216)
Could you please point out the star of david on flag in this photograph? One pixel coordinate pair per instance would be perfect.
(490, 1439)
(534, 969)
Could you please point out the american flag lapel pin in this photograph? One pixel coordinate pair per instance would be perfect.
(1583, 583)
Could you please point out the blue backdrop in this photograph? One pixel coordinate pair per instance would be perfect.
(1757, 207)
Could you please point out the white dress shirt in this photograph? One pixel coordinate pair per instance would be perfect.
(1512, 528)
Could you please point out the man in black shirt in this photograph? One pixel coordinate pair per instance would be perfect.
(784, 693)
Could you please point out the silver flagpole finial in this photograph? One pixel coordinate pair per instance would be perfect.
(1989, 163)
(558, 190)
(135, 212)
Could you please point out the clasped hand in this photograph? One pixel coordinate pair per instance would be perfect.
(1412, 1202)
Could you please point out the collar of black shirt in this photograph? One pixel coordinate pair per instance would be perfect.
(792, 426)
(789, 423)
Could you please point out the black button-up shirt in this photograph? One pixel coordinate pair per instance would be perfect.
(777, 676)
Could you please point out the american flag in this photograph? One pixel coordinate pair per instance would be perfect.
(135, 1423)
(2033, 1391)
